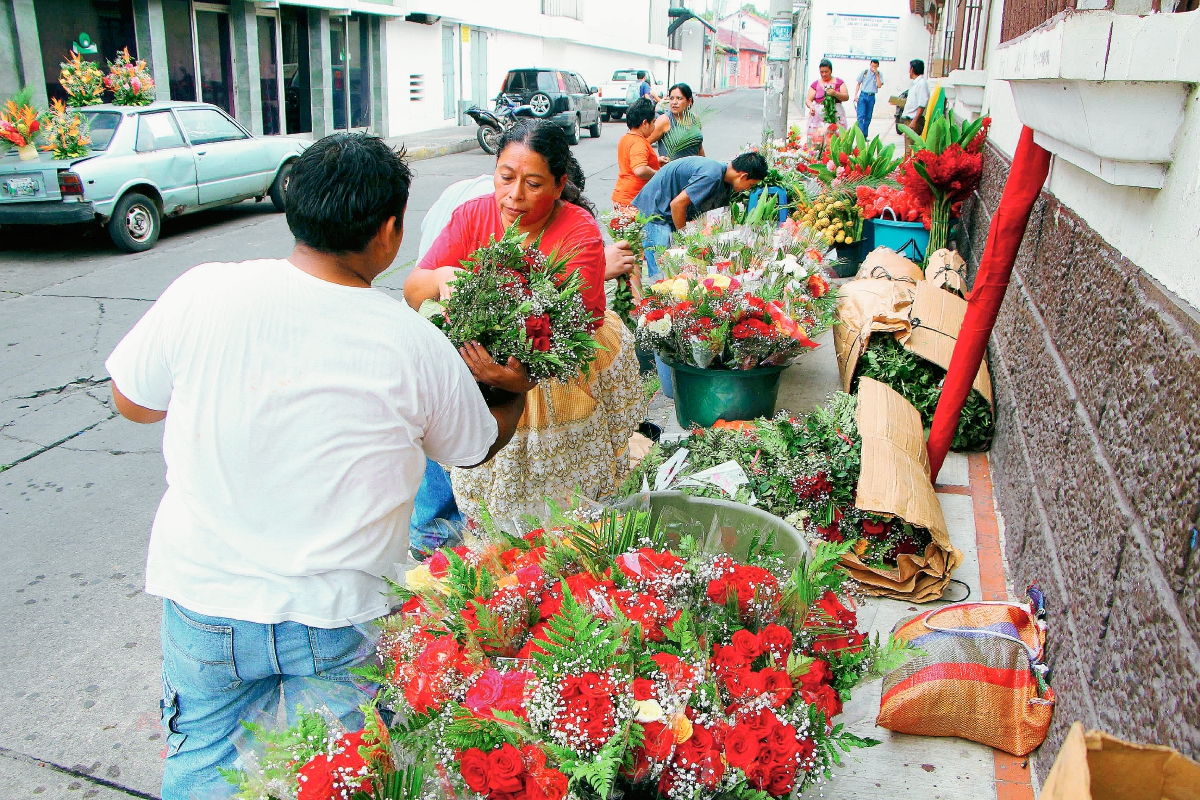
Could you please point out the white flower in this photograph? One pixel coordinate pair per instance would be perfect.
(641, 323)
(647, 711)
(661, 326)
(677, 252)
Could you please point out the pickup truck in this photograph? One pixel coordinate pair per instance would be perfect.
(614, 94)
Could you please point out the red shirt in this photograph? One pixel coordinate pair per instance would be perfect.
(474, 222)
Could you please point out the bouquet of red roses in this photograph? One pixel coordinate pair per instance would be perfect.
(518, 302)
(627, 224)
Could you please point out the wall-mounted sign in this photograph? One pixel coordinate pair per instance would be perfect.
(779, 47)
(85, 45)
(466, 34)
(861, 36)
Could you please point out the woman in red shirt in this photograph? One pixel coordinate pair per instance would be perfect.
(572, 435)
(636, 159)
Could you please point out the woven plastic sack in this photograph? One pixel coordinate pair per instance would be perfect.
(981, 677)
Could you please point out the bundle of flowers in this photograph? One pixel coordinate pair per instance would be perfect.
(849, 158)
(878, 202)
(518, 302)
(595, 660)
(66, 133)
(20, 122)
(803, 469)
(920, 383)
(628, 224)
(945, 169)
(82, 80)
(711, 322)
(129, 81)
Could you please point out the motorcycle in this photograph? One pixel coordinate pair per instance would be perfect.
(493, 124)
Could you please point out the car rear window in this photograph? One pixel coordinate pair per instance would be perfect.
(625, 75)
(530, 80)
(102, 126)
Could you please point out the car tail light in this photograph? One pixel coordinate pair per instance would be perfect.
(70, 185)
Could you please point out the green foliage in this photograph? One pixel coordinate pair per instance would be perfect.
(404, 784)
(874, 162)
(577, 638)
(466, 730)
(811, 579)
(282, 753)
(920, 383)
(891, 655)
(687, 133)
(943, 131)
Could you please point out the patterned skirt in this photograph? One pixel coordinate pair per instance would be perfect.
(573, 438)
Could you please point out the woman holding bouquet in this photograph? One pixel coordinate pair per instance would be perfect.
(573, 435)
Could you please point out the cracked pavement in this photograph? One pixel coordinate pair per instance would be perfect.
(79, 485)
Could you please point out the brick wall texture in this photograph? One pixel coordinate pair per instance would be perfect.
(1096, 464)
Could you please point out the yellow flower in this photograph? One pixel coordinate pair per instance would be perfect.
(681, 726)
(680, 288)
(719, 281)
(420, 579)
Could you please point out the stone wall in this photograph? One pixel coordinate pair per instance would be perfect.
(1096, 465)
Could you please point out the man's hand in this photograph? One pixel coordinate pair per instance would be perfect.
(618, 259)
(512, 377)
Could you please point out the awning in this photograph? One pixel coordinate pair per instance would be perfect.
(342, 7)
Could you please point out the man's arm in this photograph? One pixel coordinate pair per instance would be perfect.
(133, 412)
(508, 415)
(679, 207)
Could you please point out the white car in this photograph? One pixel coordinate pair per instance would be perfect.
(614, 95)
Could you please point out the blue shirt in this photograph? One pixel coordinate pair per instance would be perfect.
(644, 89)
(702, 178)
(868, 83)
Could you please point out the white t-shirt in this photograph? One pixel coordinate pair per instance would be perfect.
(300, 413)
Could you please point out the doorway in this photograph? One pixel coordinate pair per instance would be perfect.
(297, 95)
(270, 76)
(448, 93)
(214, 55)
(350, 54)
(479, 70)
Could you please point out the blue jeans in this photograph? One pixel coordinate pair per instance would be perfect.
(436, 520)
(654, 234)
(217, 672)
(866, 108)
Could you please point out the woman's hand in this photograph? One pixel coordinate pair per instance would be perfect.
(444, 275)
(618, 259)
(512, 377)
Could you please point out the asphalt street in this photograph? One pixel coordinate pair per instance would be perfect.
(79, 639)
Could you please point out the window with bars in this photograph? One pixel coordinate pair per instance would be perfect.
(965, 35)
(572, 9)
(1022, 16)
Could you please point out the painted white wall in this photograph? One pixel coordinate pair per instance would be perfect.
(912, 41)
(414, 50)
(1157, 229)
(690, 69)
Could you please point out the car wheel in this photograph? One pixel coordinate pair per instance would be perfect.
(280, 185)
(541, 105)
(604, 116)
(594, 130)
(489, 139)
(135, 223)
(573, 131)
(616, 115)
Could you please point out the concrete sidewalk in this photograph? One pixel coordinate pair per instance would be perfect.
(904, 767)
(422, 145)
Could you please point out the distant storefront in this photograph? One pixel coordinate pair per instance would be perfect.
(308, 67)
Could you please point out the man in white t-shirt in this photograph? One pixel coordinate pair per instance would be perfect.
(300, 406)
(913, 114)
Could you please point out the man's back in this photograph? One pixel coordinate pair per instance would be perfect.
(300, 414)
(702, 178)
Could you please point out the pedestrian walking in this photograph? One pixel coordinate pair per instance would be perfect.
(868, 85)
(686, 188)
(300, 406)
(916, 102)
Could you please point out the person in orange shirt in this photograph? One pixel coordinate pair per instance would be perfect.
(636, 159)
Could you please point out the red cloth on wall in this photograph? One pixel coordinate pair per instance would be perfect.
(473, 224)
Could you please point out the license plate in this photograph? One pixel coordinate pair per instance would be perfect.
(21, 187)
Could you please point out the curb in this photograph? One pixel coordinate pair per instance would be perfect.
(723, 91)
(424, 152)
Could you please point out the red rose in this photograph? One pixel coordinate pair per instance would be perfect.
(741, 746)
(781, 742)
(747, 645)
(728, 658)
(818, 673)
(718, 591)
(658, 740)
(743, 683)
(535, 759)
(439, 565)
(779, 685)
(826, 699)
(642, 689)
(546, 784)
(804, 749)
(777, 639)
(781, 778)
(712, 770)
(873, 527)
(505, 769)
(833, 608)
(485, 693)
(537, 328)
(473, 766)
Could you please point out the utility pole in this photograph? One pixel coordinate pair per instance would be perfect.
(780, 51)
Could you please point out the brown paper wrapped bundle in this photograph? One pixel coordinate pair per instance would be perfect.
(895, 481)
(1096, 766)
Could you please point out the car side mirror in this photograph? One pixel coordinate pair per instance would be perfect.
(592, 90)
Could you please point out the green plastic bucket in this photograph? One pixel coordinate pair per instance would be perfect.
(850, 258)
(703, 396)
(645, 360)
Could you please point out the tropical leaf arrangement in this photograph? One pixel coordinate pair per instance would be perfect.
(688, 133)
(83, 81)
(594, 660)
(66, 133)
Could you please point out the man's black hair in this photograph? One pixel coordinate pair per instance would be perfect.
(641, 75)
(343, 188)
(874, 60)
(639, 111)
(917, 66)
(753, 164)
